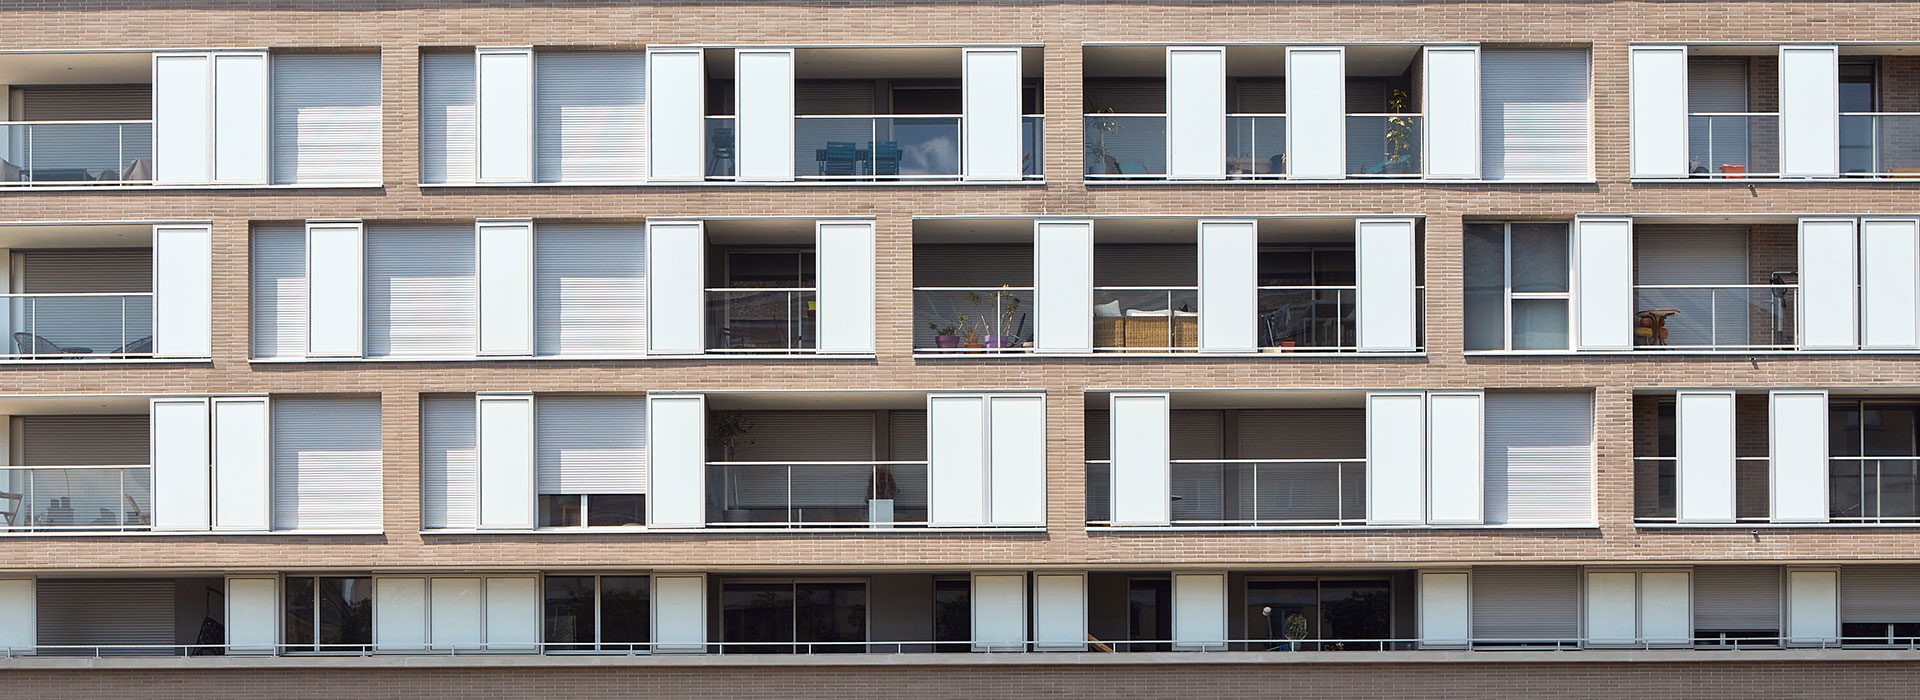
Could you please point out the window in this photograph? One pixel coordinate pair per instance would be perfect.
(1857, 95)
(600, 613)
(329, 614)
(953, 614)
(1875, 471)
(1346, 611)
(1518, 286)
(593, 510)
(763, 617)
(1880, 633)
(1150, 614)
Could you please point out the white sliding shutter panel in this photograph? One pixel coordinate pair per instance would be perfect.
(1539, 459)
(1813, 607)
(505, 455)
(326, 463)
(17, 631)
(764, 114)
(326, 118)
(1828, 285)
(1445, 617)
(1017, 457)
(1387, 256)
(105, 612)
(240, 118)
(279, 291)
(676, 460)
(182, 464)
(1396, 458)
(999, 611)
(1452, 112)
(1455, 452)
(845, 280)
(1603, 294)
(1199, 611)
(242, 493)
(1657, 83)
(182, 291)
(1229, 292)
(1140, 472)
(1890, 283)
(1666, 607)
(1706, 451)
(513, 613)
(504, 266)
(450, 470)
(182, 119)
(253, 614)
(400, 613)
(1797, 436)
(456, 612)
(1809, 110)
(590, 444)
(990, 81)
(1060, 611)
(957, 459)
(590, 116)
(1063, 279)
(676, 288)
(1525, 603)
(590, 289)
(336, 283)
(679, 613)
(422, 299)
(1196, 112)
(1317, 112)
(1534, 115)
(676, 111)
(1612, 616)
(446, 116)
(503, 114)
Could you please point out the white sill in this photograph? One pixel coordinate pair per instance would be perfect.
(111, 361)
(639, 530)
(195, 533)
(1323, 528)
(731, 356)
(1659, 353)
(1270, 181)
(122, 188)
(736, 183)
(1771, 526)
(1123, 354)
(1913, 179)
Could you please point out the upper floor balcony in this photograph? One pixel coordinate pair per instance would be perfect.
(94, 293)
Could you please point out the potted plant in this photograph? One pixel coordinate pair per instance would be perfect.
(1401, 135)
(728, 430)
(1006, 303)
(947, 336)
(970, 338)
(881, 491)
(1098, 157)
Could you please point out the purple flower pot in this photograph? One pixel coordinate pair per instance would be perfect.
(946, 341)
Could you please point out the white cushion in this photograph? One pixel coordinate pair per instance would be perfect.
(1109, 309)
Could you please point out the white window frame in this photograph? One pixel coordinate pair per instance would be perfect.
(1508, 295)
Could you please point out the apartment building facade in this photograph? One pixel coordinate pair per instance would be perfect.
(1117, 349)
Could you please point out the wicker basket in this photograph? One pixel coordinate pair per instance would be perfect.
(1146, 333)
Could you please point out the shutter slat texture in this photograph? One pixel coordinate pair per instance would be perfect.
(449, 466)
(1534, 114)
(1539, 459)
(1303, 491)
(590, 444)
(823, 436)
(326, 117)
(326, 463)
(64, 103)
(104, 611)
(1146, 265)
(1880, 594)
(1736, 598)
(1697, 255)
(422, 298)
(446, 116)
(279, 291)
(85, 271)
(590, 116)
(81, 440)
(1526, 602)
(590, 288)
(906, 436)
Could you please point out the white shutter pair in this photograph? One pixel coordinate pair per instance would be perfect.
(1426, 458)
(456, 613)
(763, 142)
(210, 118)
(677, 298)
(1000, 611)
(1705, 465)
(1809, 111)
(1630, 608)
(987, 459)
(211, 464)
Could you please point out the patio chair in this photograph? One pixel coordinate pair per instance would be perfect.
(720, 153)
(838, 158)
(143, 346)
(29, 344)
(886, 158)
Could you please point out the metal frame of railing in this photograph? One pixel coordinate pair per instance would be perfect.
(120, 151)
(1879, 489)
(997, 330)
(1675, 518)
(1879, 169)
(795, 516)
(1172, 314)
(1418, 158)
(873, 137)
(1781, 305)
(1747, 157)
(22, 500)
(33, 326)
(1252, 146)
(1339, 494)
(797, 342)
(1342, 342)
(1084, 145)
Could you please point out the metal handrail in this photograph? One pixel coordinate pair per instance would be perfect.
(878, 116)
(76, 121)
(822, 463)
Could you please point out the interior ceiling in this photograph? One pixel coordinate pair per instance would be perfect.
(759, 231)
(69, 405)
(1267, 60)
(75, 68)
(816, 400)
(100, 236)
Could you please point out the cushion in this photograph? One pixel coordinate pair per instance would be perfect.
(1109, 309)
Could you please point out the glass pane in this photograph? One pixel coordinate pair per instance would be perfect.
(1149, 613)
(569, 610)
(1486, 281)
(346, 610)
(831, 612)
(299, 620)
(558, 510)
(624, 614)
(757, 612)
(1356, 610)
(1843, 429)
(953, 613)
(1540, 258)
(1888, 430)
(1540, 324)
(1899, 488)
(1282, 610)
(615, 509)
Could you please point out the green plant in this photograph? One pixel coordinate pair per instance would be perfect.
(729, 429)
(952, 327)
(1400, 130)
(1295, 626)
(1002, 299)
(1100, 126)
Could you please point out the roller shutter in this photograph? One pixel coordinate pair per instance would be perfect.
(1198, 489)
(326, 463)
(446, 116)
(1304, 491)
(279, 291)
(422, 299)
(449, 470)
(104, 612)
(590, 289)
(1517, 604)
(1539, 459)
(590, 116)
(1880, 594)
(1534, 115)
(590, 444)
(1698, 255)
(1736, 598)
(326, 117)
(83, 440)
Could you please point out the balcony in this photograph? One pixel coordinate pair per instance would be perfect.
(817, 494)
(1146, 319)
(779, 461)
(80, 325)
(1261, 492)
(972, 319)
(1880, 144)
(762, 320)
(112, 498)
(1874, 489)
(77, 153)
(1733, 144)
(1714, 318)
(877, 147)
(1256, 146)
(1126, 146)
(1309, 318)
(1384, 145)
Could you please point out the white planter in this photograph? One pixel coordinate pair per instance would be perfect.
(880, 512)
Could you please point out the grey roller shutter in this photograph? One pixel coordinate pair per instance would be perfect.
(1260, 96)
(326, 117)
(1126, 96)
(326, 463)
(1717, 84)
(100, 324)
(1146, 265)
(590, 116)
(816, 436)
(279, 291)
(590, 289)
(83, 440)
(1198, 489)
(590, 444)
(1880, 594)
(446, 116)
(1525, 603)
(1303, 491)
(67, 103)
(422, 299)
(1698, 255)
(823, 97)
(1294, 433)
(449, 470)
(1736, 598)
(70, 271)
(1539, 459)
(961, 265)
(1534, 115)
(906, 436)
(104, 612)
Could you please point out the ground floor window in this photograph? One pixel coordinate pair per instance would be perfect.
(953, 614)
(1149, 614)
(600, 613)
(783, 617)
(1344, 612)
(329, 614)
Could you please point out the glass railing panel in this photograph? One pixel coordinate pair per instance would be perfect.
(762, 320)
(1880, 145)
(1033, 156)
(1733, 145)
(1874, 489)
(56, 498)
(1126, 145)
(92, 152)
(1099, 489)
(720, 144)
(1146, 319)
(1383, 145)
(876, 148)
(1294, 319)
(1256, 145)
(1714, 317)
(973, 319)
(79, 325)
(817, 494)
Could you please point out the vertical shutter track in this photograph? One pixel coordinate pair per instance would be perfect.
(104, 611)
(1534, 114)
(1736, 597)
(590, 444)
(449, 466)
(446, 116)
(590, 116)
(590, 289)
(1884, 593)
(422, 299)
(326, 463)
(1526, 603)
(326, 117)
(1697, 255)
(279, 301)
(1539, 459)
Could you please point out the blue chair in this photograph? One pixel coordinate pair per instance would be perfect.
(839, 158)
(886, 158)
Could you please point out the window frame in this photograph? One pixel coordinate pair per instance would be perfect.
(793, 615)
(1508, 295)
(313, 647)
(599, 645)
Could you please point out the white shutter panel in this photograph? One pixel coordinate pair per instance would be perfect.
(764, 114)
(16, 616)
(279, 293)
(1534, 115)
(1525, 603)
(1452, 112)
(1828, 285)
(1017, 456)
(845, 279)
(1657, 83)
(1317, 112)
(182, 291)
(1706, 451)
(242, 491)
(676, 110)
(399, 613)
(1809, 110)
(1396, 458)
(1387, 256)
(513, 613)
(590, 444)
(676, 288)
(676, 460)
(456, 613)
(504, 265)
(336, 278)
(326, 463)
(1611, 613)
(421, 297)
(253, 614)
(240, 118)
(1539, 459)
(999, 612)
(1666, 608)
(1140, 474)
(957, 460)
(1196, 112)
(326, 118)
(590, 289)
(1445, 619)
(1456, 449)
(1813, 607)
(1060, 611)
(450, 472)
(182, 118)
(679, 613)
(1229, 291)
(1890, 283)
(447, 85)
(182, 471)
(1797, 436)
(991, 116)
(505, 454)
(1603, 282)
(1199, 611)
(590, 116)
(1063, 279)
(503, 114)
